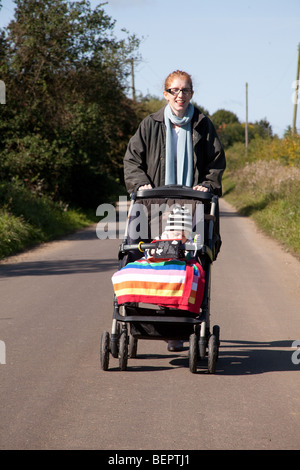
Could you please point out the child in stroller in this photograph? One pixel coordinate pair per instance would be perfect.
(178, 228)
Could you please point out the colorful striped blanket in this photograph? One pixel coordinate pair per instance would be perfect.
(173, 283)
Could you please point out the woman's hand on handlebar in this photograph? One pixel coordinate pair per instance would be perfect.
(198, 187)
(145, 186)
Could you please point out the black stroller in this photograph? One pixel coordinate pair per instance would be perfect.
(136, 320)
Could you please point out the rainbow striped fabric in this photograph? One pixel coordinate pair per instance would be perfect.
(172, 283)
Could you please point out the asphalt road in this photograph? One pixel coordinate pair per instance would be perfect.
(57, 299)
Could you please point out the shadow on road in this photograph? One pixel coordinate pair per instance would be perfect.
(57, 267)
(250, 357)
(230, 214)
(235, 358)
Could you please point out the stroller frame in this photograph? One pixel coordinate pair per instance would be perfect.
(130, 322)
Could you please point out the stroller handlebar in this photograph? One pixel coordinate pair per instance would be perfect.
(142, 246)
(173, 190)
(188, 246)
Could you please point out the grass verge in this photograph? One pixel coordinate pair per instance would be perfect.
(267, 190)
(27, 219)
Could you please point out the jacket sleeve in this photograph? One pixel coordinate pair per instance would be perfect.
(212, 171)
(135, 165)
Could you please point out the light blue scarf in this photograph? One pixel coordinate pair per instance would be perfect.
(183, 173)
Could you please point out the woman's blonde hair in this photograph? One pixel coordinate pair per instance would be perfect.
(176, 74)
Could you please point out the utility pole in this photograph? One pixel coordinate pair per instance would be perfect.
(294, 128)
(132, 79)
(246, 124)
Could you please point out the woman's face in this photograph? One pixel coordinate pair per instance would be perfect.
(179, 102)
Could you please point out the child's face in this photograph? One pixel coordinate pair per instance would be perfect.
(175, 234)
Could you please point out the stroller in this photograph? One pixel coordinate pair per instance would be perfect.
(143, 312)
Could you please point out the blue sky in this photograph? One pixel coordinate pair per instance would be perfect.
(222, 43)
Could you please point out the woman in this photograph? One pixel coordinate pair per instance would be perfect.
(176, 145)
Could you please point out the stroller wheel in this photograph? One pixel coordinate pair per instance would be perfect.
(123, 350)
(104, 350)
(132, 347)
(212, 353)
(202, 347)
(193, 353)
(216, 332)
(114, 345)
(114, 340)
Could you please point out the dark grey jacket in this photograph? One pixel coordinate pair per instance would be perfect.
(144, 160)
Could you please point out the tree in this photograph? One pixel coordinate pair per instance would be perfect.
(230, 130)
(66, 78)
(228, 126)
(262, 128)
(222, 117)
(231, 133)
